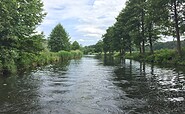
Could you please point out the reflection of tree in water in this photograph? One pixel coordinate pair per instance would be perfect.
(147, 83)
(62, 65)
(19, 94)
(111, 61)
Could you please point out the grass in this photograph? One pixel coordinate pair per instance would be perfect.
(26, 60)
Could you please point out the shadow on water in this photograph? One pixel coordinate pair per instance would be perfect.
(161, 88)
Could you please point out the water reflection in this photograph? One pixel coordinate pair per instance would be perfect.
(162, 89)
(95, 86)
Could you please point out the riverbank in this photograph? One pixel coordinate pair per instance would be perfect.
(165, 56)
(26, 60)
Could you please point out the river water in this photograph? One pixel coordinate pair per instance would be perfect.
(95, 86)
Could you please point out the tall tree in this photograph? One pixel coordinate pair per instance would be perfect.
(58, 39)
(99, 46)
(75, 45)
(175, 24)
(18, 21)
(178, 15)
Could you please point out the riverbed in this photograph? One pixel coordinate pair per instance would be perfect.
(95, 86)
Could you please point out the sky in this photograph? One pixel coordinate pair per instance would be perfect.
(84, 20)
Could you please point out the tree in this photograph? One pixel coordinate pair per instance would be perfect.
(99, 46)
(18, 21)
(108, 45)
(174, 24)
(58, 39)
(178, 15)
(75, 45)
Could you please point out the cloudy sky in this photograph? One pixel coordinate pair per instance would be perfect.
(84, 20)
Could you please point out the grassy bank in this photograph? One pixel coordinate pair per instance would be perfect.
(165, 56)
(24, 60)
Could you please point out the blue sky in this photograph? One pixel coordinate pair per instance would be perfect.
(84, 20)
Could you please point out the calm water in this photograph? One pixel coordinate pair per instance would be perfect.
(94, 86)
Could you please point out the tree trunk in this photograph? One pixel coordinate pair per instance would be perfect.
(143, 34)
(150, 39)
(177, 29)
(151, 45)
(130, 50)
(140, 48)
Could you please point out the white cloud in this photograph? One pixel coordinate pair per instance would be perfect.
(81, 18)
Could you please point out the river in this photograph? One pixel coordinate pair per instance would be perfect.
(95, 86)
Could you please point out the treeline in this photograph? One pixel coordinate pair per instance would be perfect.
(93, 49)
(142, 22)
(20, 46)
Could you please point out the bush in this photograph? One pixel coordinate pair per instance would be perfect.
(26, 59)
(163, 56)
(135, 56)
(159, 56)
(8, 58)
(47, 57)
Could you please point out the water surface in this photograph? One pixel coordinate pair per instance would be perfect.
(95, 86)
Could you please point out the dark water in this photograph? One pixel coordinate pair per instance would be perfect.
(94, 86)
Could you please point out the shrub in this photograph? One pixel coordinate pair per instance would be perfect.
(163, 56)
(8, 58)
(26, 59)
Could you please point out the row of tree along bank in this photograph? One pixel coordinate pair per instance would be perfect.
(142, 23)
(21, 47)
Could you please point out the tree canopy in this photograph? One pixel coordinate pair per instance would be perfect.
(18, 22)
(58, 39)
(143, 22)
(75, 45)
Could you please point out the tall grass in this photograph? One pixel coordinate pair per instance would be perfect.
(26, 60)
(74, 54)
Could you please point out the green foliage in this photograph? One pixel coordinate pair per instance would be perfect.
(75, 45)
(159, 56)
(65, 55)
(20, 46)
(88, 50)
(46, 57)
(25, 59)
(75, 54)
(18, 21)
(59, 39)
(164, 56)
(8, 59)
(142, 22)
(99, 47)
(135, 56)
(32, 44)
